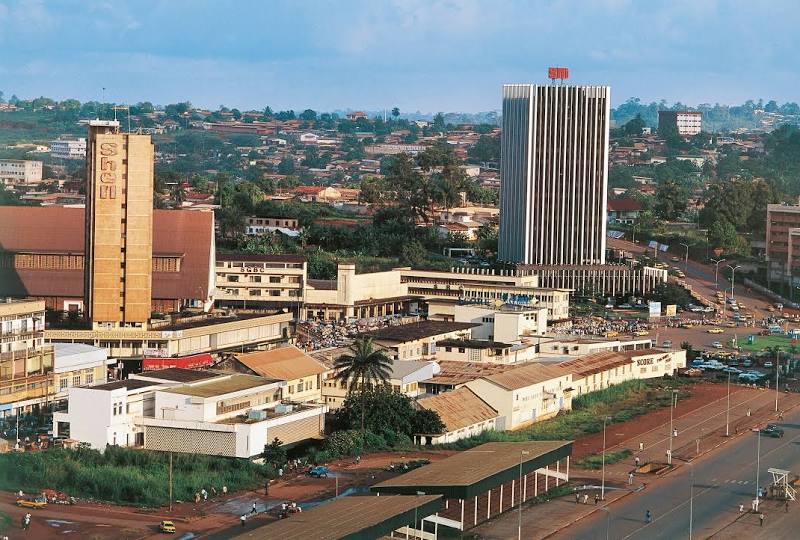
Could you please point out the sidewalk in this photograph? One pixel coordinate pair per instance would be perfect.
(778, 523)
(538, 521)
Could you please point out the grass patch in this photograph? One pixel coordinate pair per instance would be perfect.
(595, 461)
(763, 342)
(5, 521)
(126, 475)
(621, 402)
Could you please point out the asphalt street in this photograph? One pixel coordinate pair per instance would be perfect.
(722, 481)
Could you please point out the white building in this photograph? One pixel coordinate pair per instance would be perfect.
(506, 323)
(20, 171)
(68, 149)
(526, 394)
(188, 411)
(463, 414)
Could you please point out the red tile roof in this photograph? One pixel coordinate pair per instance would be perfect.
(624, 205)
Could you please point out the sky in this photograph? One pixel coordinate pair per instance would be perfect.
(426, 55)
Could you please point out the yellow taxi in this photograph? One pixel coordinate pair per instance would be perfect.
(166, 527)
(612, 334)
(641, 333)
(715, 330)
(32, 503)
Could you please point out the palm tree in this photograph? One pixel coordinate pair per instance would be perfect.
(365, 366)
(178, 194)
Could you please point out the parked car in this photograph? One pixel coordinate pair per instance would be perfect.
(666, 344)
(717, 345)
(715, 330)
(36, 503)
(166, 527)
(768, 364)
(732, 370)
(319, 472)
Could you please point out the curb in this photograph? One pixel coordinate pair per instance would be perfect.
(594, 509)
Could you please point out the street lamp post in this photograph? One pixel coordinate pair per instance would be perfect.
(603, 481)
(691, 498)
(686, 259)
(758, 466)
(728, 409)
(733, 280)
(716, 271)
(521, 491)
(672, 402)
(777, 376)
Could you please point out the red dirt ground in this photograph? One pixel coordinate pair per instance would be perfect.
(701, 394)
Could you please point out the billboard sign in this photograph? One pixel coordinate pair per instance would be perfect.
(558, 73)
(670, 310)
(654, 309)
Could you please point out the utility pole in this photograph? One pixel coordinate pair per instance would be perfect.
(758, 466)
(519, 506)
(733, 280)
(170, 481)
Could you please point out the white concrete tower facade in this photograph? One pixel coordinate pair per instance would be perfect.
(554, 174)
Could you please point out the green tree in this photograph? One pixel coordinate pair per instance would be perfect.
(308, 115)
(395, 113)
(231, 222)
(362, 369)
(486, 148)
(286, 166)
(388, 413)
(274, 454)
(670, 200)
(723, 235)
(413, 253)
(178, 194)
(438, 123)
(634, 126)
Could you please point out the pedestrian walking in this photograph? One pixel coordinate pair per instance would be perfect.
(630, 479)
(196, 497)
(648, 517)
(358, 459)
(242, 519)
(24, 523)
(596, 498)
(204, 493)
(636, 460)
(224, 490)
(253, 510)
(761, 519)
(741, 508)
(585, 498)
(280, 473)
(577, 498)
(213, 492)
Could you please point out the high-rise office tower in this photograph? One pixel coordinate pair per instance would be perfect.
(554, 174)
(119, 226)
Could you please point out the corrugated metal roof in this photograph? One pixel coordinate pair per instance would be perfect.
(283, 363)
(459, 408)
(527, 375)
(59, 230)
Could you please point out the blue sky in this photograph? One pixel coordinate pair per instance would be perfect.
(428, 55)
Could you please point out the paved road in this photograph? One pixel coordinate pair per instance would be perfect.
(722, 480)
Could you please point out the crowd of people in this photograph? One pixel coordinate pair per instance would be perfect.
(598, 326)
(314, 335)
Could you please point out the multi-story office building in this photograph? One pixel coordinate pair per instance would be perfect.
(68, 149)
(783, 241)
(260, 281)
(20, 171)
(119, 226)
(683, 123)
(554, 174)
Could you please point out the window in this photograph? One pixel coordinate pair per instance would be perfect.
(255, 279)
(233, 279)
(255, 292)
(274, 279)
(275, 292)
(63, 383)
(89, 378)
(76, 380)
